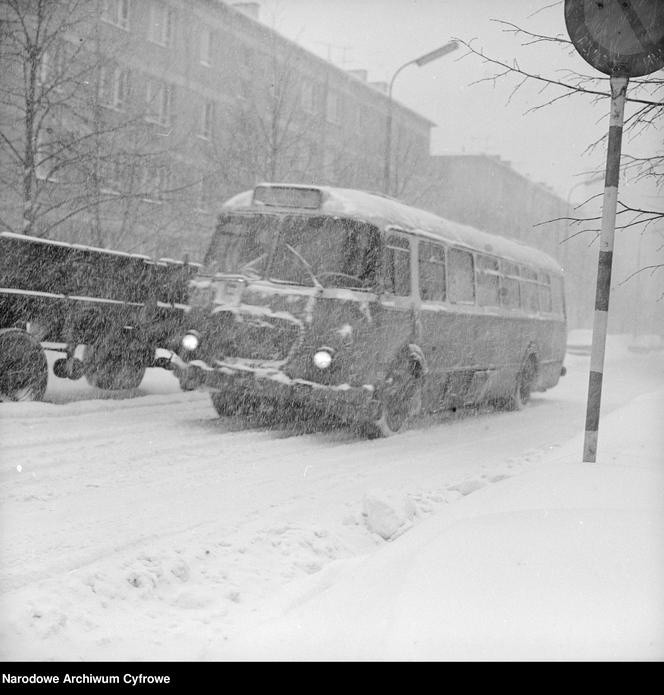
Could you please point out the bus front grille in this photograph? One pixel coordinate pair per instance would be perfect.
(251, 337)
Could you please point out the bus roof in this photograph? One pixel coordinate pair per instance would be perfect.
(383, 211)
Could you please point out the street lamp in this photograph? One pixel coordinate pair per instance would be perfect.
(421, 61)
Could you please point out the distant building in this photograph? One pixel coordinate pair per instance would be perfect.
(484, 191)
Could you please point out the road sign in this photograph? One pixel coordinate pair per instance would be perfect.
(618, 37)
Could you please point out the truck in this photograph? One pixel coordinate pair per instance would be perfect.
(113, 314)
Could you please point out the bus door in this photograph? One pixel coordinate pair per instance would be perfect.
(394, 314)
(448, 322)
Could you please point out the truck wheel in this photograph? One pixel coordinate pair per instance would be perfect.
(23, 366)
(113, 364)
(224, 403)
(234, 402)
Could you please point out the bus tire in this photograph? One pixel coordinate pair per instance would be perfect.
(113, 365)
(23, 366)
(400, 398)
(523, 385)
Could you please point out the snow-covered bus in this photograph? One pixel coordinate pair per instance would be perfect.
(366, 309)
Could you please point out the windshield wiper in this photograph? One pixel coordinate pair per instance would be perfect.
(306, 265)
(249, 267)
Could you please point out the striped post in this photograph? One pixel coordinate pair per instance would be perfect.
(610, 202)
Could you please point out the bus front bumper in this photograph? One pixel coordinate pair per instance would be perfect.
(343, 401)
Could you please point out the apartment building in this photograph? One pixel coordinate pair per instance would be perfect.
(155, 111)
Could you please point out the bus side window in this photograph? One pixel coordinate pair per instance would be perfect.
(558, 299)
(510, 293)
(529, 298)
(488, 281)
(432, 271)
(544, 286)
(461, 283)
(397, 266)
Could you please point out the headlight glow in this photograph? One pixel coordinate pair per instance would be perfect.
(191, 341)
(323, 358)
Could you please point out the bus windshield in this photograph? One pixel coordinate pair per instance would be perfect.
(309, 250)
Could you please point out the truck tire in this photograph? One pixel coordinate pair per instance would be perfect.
(114, 364)
(23, 366)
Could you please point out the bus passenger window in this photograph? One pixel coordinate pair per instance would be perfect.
(558, 299)
(529, 298)
(432, 272)
(461, 284)
(397, 266)
(510, 294)
(488, 281)
(544, 285)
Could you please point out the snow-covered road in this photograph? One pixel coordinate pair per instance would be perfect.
(128, 521)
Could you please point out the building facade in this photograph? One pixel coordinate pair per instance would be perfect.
(485, 192)
(148, 114)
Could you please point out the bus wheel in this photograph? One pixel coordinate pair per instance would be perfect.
(400, 398)
(23, 366)
(114, 365)
(524, 385)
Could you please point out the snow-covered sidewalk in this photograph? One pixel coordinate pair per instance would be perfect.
(565, 562)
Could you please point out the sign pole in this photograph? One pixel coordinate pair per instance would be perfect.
(609, 206)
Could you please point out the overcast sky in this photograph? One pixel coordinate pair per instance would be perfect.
(548, 145)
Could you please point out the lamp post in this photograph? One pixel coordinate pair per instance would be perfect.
(421, 61)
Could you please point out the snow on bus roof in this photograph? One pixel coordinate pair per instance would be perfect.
(382, 211)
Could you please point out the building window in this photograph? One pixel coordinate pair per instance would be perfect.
(205, 194)
(116, 12)
(205, 47)
(159, 102)
(333, 108)
(157, 182)
(307, 96)
(207, 120)
(54, 65)
(162, 24)
(47, 154)
(113, 87)
(111, 175)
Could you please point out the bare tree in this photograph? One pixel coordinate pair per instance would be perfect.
(79, 159)
(644, 104)
(643, 117)
(273, 129)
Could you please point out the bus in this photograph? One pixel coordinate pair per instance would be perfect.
(353, 305)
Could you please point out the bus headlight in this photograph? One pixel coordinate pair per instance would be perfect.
(191, 340)
(323, 357)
